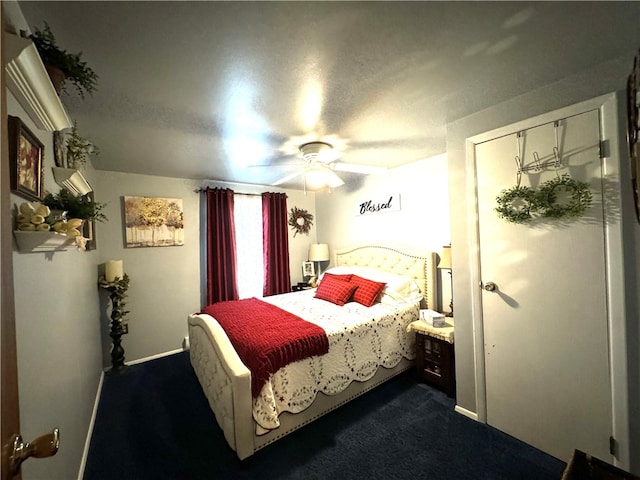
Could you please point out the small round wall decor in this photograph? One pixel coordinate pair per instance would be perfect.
(515, 204)
(300, 221)
(563, 197)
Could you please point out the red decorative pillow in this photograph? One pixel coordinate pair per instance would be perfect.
(345, 278)
(334, 290)
(367, 292)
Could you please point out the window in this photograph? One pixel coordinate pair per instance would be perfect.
(249, 255)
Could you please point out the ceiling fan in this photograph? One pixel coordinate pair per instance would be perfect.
(321, 163)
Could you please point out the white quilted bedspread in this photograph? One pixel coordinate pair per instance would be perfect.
(361, 339)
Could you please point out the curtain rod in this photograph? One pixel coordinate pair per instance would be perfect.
(200, 190)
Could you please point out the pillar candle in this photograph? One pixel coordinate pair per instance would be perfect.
(113, 269)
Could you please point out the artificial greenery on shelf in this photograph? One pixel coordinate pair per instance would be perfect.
(75, 70)
(80, 207)
(79, 149)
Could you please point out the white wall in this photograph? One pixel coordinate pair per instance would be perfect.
(58, 339)
(422, 222)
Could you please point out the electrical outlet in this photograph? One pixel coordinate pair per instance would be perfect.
(125, 328)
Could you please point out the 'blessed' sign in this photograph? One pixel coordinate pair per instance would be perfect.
(390, 203)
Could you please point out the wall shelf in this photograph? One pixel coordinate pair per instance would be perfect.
(72, 180)
(42, 241)
(28, 80)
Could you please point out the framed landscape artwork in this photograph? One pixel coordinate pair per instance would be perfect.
(26, 161)
(153, 222)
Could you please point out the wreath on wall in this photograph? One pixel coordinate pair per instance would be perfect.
(300, 221)
(578, 193)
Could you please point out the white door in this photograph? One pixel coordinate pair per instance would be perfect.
(545, 326)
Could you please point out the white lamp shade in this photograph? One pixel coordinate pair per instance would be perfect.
(445, 257)
(319, 252)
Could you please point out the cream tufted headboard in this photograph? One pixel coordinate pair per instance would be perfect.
(399, 260)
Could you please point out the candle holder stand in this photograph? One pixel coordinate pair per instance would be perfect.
(117, 293)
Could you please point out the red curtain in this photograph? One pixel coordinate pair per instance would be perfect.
(221, 246)
(275, 241)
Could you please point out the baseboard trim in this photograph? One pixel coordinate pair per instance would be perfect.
(87, 442)
(466, 413)
(153, 357)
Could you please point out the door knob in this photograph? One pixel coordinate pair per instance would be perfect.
(43, 446)
(490, 287)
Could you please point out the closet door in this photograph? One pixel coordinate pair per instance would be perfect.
(545, 323)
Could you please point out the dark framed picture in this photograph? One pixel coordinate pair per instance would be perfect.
(308, 269)
(58, 149)
(26, 160)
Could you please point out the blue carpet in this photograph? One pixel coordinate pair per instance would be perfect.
(154, 422)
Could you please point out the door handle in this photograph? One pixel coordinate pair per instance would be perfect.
(42, 447)
(490, 287)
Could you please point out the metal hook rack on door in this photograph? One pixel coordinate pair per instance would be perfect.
(538, 165)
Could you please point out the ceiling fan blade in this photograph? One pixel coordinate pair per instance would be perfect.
(287, 178)
(282, 163)
(357, 168)
(278, 160)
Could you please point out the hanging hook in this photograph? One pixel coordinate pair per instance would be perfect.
(536, 161)
(518, 158)
(556, 150)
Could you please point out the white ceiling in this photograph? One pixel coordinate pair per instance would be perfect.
(213, 90)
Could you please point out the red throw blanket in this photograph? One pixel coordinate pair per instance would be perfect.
(266, 337)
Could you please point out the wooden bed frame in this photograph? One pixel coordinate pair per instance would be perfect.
(226, 381)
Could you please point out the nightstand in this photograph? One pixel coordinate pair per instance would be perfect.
(435, 360)
(300, 286)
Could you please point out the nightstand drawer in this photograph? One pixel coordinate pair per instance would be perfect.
(433, 374)
(432, 349)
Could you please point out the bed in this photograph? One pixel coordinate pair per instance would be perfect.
(226, 380)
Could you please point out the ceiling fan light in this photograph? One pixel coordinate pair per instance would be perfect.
(334, 181)
(321, 177)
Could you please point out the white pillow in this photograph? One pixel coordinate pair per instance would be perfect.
(398, 289)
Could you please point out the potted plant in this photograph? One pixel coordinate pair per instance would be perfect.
(79, 149)
(80, 207)
(69, 64)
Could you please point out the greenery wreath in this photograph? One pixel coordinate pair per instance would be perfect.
(300, 221)
(547, 197)
(508, 209)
